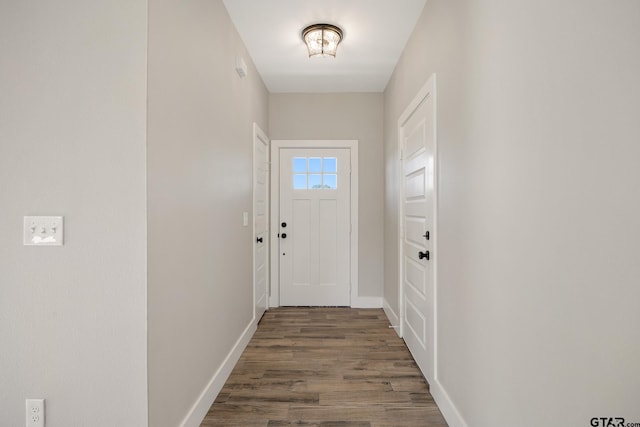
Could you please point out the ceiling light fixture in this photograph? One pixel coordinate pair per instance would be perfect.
(322, 39)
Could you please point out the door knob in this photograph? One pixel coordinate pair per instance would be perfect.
(426, 235)
(259, 240)
(284, 225)
(283, 235)
(423, 255)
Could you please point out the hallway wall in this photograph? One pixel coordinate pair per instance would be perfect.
(538, 131)
(72, 143)
(345, 116)
(199, 184)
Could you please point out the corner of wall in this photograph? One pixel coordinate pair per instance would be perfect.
(366, 302)
(394, 319)
(200, 408)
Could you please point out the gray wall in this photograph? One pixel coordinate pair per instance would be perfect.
(538, 106)
(72, 143)
(199, 183)
(345, 116)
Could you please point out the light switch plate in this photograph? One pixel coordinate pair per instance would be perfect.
(43, 231)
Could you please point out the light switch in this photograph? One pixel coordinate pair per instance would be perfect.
(43, 231)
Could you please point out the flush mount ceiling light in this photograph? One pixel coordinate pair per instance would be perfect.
(322, 39)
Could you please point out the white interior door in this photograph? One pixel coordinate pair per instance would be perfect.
(260, 222)
(417, 139)
(314, 234)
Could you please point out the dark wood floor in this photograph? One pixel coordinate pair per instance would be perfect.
(329, 367)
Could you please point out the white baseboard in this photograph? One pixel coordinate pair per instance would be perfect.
(208, 396)
(392, 316)
(366, 302)
(448, 409)
(357, 302)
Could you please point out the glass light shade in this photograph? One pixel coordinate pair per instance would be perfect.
(322, 39)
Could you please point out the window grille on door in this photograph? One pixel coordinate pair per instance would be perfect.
(315, 173)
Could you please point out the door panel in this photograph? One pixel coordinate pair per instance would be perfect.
(299, 234)
(328, 242)
(415, 275)
(314, 245)
(418, 218)
(416, 322)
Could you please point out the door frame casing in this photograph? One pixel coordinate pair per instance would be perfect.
(276, 146)
(429, 89)
(258, 133)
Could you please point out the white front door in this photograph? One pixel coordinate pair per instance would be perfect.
(417, 140)
(260, 222)
(314, 227)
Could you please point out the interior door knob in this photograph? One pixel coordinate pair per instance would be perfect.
(423, 255)
(283, 235)
(259, 240)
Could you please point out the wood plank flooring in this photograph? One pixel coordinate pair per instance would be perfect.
(325, 367)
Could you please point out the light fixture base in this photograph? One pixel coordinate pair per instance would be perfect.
(322, 39)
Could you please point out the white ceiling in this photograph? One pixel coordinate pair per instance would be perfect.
(375, 33)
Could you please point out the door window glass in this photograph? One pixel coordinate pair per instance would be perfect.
(330, 164)
(299, 164)
(315, 180)
(315, 173)
(300, 181)
(315, 164)
(330, 181)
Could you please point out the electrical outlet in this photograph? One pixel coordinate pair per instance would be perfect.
(35, 413)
